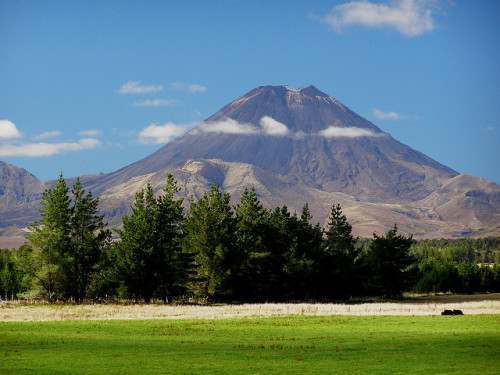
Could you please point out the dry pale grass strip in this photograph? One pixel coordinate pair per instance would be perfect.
(16, 312)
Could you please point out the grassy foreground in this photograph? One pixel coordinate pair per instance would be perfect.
(286, 345)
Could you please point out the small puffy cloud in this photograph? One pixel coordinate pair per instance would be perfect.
(228, 126)
(155, 134)
(157, 103)
(188, 87)
(386, 115)
(273, 127)
(8, 130)
(90, 133)
(352, 132)
(49, 134)
(409, 17)
(47, 149)
(135, 87)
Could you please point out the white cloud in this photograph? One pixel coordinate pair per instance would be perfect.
(161, 133)
(134, 87)
(490, 128)
(8, 130)
(273, 127)
(409, 17)
(300, 134)
(191, 88)
(352, 132)
(228, 126)
(49, 134)
(157, 103)
(47, 149)
(90, 133)
(386, 115)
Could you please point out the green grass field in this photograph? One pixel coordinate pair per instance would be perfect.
(291, 345)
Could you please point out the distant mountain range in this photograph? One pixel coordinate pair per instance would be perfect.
(294, 146)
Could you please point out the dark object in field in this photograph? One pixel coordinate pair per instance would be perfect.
(452, 312)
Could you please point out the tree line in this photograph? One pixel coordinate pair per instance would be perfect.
(217, 252)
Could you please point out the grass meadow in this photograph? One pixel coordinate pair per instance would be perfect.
(335, 344)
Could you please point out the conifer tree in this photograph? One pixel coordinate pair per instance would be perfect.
(388, 264)
(173, 265)
(149, 259)
(210, 238)
(89, 239)
(252, 225)
(336, 260)
(67, 243)
(50, 240)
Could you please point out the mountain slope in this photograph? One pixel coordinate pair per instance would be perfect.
(323, 145)
(425, 219)
(20, 194)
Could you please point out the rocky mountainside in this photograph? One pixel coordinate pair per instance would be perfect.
(295, 146)
(20, 194)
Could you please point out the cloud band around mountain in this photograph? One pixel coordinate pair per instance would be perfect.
(273, 127)
(157, 134)
(228, 126)
(349, 132)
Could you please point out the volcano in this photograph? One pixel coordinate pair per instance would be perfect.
(308, 137)
(301, 145)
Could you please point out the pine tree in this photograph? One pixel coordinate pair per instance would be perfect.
(149, 259)
(89, 239)
(300, 266)
(388, 264)
(67, 243)
(135, 253)
(173, 265)
(336, 260)
(50, 240)
(210, 237)
(251, 279)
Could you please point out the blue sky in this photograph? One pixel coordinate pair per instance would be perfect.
(92, 86)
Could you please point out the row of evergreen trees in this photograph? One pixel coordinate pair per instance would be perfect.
(214, 251)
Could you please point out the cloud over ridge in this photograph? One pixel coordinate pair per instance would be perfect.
(409, 17)
(156, 134)
(273, 127)
(349, 132)
(228, 126)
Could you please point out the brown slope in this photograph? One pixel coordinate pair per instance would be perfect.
(421, 219)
